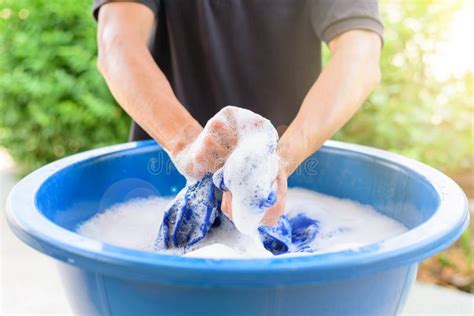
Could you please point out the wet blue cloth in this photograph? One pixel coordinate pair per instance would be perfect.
(289, 234)
(196, 210)
(189, 216)
(261, 202)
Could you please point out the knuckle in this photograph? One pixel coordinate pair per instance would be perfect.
(209, 141)
(217, 124)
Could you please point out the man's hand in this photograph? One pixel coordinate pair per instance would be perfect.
(209, 151)
(273, 213)
(351, 75)
(134, 78)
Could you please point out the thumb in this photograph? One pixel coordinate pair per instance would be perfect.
(226, 205)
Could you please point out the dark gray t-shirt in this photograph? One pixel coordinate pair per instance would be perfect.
(262, 55)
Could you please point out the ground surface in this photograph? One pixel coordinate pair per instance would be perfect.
(454, 267)
(30, 284)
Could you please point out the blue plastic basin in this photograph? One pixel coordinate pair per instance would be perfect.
(100, 279)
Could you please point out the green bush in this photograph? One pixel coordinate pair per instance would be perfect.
(411, 112)
(54, 102)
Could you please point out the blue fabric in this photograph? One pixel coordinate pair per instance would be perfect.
(289, 234)
(196, 210)
(189, 216)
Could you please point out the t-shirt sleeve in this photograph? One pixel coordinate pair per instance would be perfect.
(153, 5)
(333, 17)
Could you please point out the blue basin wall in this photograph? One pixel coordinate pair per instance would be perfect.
(382, 293)
(101, 279)
(78, 192)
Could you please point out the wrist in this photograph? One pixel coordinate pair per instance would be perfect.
(294, 148)
(182, 138)
(287, 163)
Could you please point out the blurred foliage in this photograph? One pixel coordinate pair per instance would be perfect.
(54, 102)
(411, 112)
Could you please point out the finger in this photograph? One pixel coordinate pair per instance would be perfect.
(226, 205)
(228, 112)
(228, 116)
(197, 168)
(223, 133)
(214, 153)
(214, 149)
(272, 215)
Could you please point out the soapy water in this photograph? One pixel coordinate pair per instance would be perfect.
(344, 224)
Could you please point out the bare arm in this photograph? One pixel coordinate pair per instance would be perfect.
(144, 92)
(344, 84)
(135, 80)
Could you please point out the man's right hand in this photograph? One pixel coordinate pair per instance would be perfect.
(208, 151)
(143, 91)
(135, 79)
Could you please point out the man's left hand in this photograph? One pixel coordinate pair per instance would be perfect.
(273, 213)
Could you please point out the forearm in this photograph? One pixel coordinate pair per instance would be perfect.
(142, 89)
(335, 97)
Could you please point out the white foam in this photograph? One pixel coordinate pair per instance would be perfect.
(344, 224)
(134, 224)
(214, 251)
(249, 170)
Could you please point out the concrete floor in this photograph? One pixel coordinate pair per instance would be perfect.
(31, 286)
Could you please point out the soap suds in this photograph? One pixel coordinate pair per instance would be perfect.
(250, 169)
(344, 224)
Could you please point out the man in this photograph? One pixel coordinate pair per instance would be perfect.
(173, 64)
